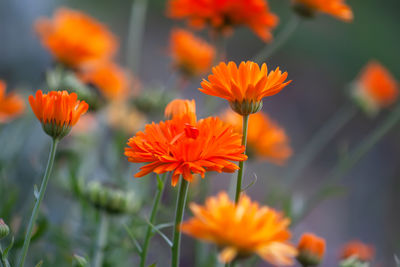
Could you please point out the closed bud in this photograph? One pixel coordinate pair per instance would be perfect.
(311, 250)
(4, 229)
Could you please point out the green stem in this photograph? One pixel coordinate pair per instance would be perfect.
(241, 163)
(135, 33)
(281, 39)
(160, 190)
(4, 261)
(101, 240)
(39, 199)
(180, 209)
(320, 140)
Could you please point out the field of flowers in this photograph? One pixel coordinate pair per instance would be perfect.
(199, 133)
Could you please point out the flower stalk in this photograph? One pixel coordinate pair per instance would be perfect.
(241, 163)
(38, 200)
(101, 240)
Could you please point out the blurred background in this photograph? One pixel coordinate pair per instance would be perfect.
(322, 58)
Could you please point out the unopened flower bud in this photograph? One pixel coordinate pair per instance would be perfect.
(4, 229)
(246, 107)
(311, 250)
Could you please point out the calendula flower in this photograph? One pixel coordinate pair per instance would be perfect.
(311, 249)
(336, 8)
(57, 111)
(184, 147)
(244, 87)
(264, 137)
(181, 108)
(120, 115)
(375, 88)
(109, 78)
(222, 15)
(359, 250)
(191, 55)
(76, 39)
(11, 105)
(242, 229)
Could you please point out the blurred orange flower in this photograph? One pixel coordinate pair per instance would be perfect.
(244, 87)
(186, 147)
(121, 115)
(112, 81)
(311, 249)
(58, 111)
(242, 229)
(76, 39)
(191, 55)
(264, 136)
(336, 8)
(181, 107)
(222, 15)
(376, 87)
(11, 105)
(359, 250)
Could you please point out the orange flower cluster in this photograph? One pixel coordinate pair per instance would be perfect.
(242, 229)
(336, 8)
(359, 250)
(11, 105)
(191, 55)
(185, 146)
(58, 111)
(311, 249)
(244, 87)
(223, 15)
(264, 136)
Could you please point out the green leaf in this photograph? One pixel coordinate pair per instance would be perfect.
(138, 248)
(36, 192)
(152, 265)
(166, 239)
(7, 250)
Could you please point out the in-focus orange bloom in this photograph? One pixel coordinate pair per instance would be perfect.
(109, 78)
(191, 55)
(264, 137)
(185, 147)
(242, 229)
(359, 250)
(76, 39)
(311, 249)
(376, 88)
(11, 105)
(336, 8)
(58, 111)
(222, 15)
(244, 87)
(181, 107)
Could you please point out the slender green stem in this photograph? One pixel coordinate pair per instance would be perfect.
(241, 163)
(38, 199)
(320, 140)
(4, 261)
(101, 240)
(280, 40)
(180, 209)
(135, 33)
(153, 213)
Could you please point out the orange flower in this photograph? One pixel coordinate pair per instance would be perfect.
(181, 107)
(186, 147)
(244, 87)
(242, 229)
(222, 15)
(122, 116)
(11, 105)
(376, 88)
(191, 55)
(264, 136)
(109, 78)
(336, 8)
(75, 38)
(58, 111)
(359, 250)
(311, 249)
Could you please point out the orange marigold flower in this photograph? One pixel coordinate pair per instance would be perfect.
(11, 105)
(76, 39)
(186, 147)
(191, 55)
(242, 229)
(244, 87)
(375, 88)
(181, 108)
(311, 249)
(222, 15)
(109, 78)
(264, 137)
(58, 111)
(336, 8)
(359, 250)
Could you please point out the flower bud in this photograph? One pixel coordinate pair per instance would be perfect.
(311, 249)
(246, 107)
(4, 229)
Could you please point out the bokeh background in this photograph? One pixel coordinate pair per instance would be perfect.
(322, 57)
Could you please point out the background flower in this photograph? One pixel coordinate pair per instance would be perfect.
(11, 105)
